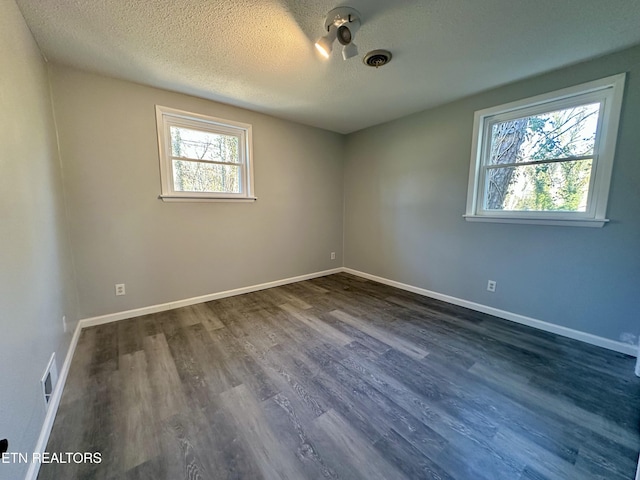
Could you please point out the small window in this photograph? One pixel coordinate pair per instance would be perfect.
(203, 158)
(547, 159)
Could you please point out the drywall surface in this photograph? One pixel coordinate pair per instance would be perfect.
(122, 233)
(405, 194)
(36, 277)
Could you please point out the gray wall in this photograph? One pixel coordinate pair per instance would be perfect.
(122, 233)
(36, 276)
(405, 193)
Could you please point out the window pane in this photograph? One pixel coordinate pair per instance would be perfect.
(206, 177)
(559, 186)
(558, 134)
(197, 144)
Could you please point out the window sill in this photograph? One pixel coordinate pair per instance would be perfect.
(187, 198)
(560, 222)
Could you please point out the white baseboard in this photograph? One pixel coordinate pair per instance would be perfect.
(514, 317)
(114, 317)
(54, 403)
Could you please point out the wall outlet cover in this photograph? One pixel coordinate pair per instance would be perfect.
(629, 338)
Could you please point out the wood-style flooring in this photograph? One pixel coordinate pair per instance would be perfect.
(343, 378)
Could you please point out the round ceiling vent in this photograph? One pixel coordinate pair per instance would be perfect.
(377, 58)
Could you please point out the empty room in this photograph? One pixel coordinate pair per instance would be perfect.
(313, 240)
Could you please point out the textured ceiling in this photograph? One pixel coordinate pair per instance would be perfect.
(259, 54)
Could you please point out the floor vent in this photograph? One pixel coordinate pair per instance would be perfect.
(49, 379)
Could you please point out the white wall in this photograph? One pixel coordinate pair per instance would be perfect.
(405, 194)
(36, 279)
(122, 233)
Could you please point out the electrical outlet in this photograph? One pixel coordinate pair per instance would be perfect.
(64, 323)
(333, 255)
(491, 286)
(120, 289)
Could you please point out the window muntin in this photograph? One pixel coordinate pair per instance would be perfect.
(541, 162)
(203, 157)
(546, 158)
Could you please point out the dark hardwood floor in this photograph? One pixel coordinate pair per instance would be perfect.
(340, 377)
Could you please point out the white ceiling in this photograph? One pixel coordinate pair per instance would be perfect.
(259, 54)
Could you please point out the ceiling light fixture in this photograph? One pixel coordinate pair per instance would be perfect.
(341, 23)
(325, 44)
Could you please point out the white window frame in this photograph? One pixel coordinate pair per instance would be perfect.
(609, 91)
(168, 117)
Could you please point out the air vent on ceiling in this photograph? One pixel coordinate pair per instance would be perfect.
(377, 58)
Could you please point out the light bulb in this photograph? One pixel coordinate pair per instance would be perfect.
(349, 51)
(325, 44)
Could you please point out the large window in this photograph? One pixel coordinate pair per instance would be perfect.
(203, 158)
(546, 159)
